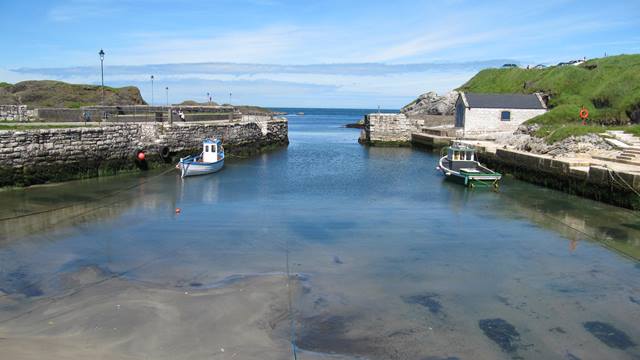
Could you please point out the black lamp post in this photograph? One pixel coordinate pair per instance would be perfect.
(151, 90)
(208, 99)
(167, 88)
(101, 53)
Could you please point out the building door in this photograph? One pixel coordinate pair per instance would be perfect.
(460, 115)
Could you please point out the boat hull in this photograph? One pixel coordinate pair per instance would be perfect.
(194, 168)
(469, 179)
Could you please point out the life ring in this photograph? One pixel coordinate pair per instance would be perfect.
(584, 113)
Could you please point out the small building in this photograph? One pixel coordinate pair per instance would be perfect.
(477, 114)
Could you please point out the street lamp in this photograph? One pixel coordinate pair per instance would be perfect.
(208, 99)
(101, 53)
(229, 97)
(167, 88)
(151, 90)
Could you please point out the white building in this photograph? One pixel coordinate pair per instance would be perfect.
(478, 114)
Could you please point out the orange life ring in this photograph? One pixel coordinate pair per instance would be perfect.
(584, 113)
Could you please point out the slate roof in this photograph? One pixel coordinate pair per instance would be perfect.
(504, 101)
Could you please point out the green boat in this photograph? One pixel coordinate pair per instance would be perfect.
(460, 165)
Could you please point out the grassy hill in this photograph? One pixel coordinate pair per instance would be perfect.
(47, 93)
(608, 87)
(195, 103)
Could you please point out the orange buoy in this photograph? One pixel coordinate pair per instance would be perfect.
(584, 113)
(141, 156)
(178, 210)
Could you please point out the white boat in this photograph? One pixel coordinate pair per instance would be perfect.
(209, 161)
(460, 165)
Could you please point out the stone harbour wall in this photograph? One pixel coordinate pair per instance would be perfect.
(16, 113)
(47, 155)
(131, 113)
(591, 181)
(395, 129)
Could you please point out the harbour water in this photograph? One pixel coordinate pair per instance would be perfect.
(385, 261)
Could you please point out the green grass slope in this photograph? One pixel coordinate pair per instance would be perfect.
(47, 93)
(608, 87)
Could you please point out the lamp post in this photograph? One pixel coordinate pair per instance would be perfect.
(167, 88)
(101, 53)
(208, 99)
(151, 90)
(229, 97)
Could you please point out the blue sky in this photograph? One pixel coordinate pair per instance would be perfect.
(302, 53)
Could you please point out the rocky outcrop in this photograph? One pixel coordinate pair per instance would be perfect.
(523, 140)
(432, 104)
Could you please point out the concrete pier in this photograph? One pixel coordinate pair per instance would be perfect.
(430, 140)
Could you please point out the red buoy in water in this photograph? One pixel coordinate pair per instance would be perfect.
(141, 156)
(178, 210)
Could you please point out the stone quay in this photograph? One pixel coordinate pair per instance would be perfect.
(37, 156)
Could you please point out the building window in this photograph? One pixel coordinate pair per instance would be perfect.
(505, 116)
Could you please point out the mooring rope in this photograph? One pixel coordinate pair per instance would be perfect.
(584, 233)
(624, 182)
(30, 285)
(52, 299)
(292, 327)
(117, 192)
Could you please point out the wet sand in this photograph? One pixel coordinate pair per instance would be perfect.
(113, 318)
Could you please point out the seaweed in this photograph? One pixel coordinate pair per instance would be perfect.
(609, 335)
(18, 282)
(427, 300)
(501, 332)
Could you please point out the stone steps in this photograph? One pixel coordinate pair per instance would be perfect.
(618, 160)
(629, 143)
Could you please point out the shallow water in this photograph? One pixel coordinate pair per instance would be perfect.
(387, 262)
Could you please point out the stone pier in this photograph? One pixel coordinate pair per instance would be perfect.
(384, 129)
(45, 155)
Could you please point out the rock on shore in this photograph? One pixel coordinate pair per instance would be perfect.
(523, 140)
(431, 103)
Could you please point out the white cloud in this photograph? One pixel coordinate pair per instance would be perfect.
(83, 10)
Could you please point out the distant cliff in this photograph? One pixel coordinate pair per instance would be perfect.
(48, 93)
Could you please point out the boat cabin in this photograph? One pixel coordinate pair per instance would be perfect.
(461, 153)
(460, 157)
(211, 150)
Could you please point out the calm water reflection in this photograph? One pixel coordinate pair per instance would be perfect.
(391, 262)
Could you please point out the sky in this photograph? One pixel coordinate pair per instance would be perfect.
(333, 53)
